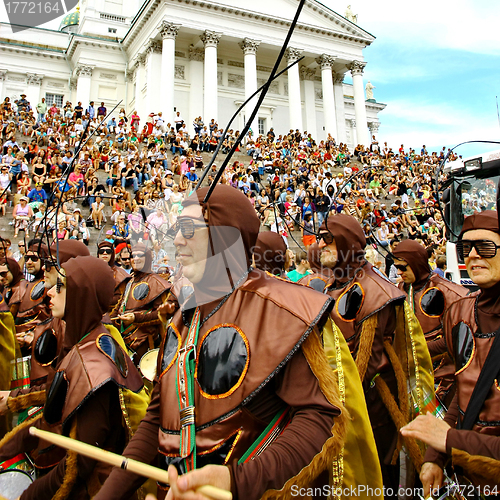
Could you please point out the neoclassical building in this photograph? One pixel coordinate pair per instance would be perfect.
(201, 58)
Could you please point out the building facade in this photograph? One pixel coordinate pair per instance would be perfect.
(201, 58)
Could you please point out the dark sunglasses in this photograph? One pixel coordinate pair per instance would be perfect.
(33, 258)
(3, 273)
(486, 249)
(401, 267)
(102, 251)
(326, 237)
(138, 255)
(125, 258)
(48, 264)
(186, 226)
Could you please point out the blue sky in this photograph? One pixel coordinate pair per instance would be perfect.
(436, 64)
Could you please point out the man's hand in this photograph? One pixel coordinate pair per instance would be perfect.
(4, 395)
(429, 429)
(166, 310)
(431, 476)
(127, 318)
(184, 487)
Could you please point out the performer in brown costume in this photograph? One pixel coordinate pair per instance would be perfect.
(33, 309)
(106, 252)
(14, 284)
(269, 253)
(47, 336)
(429, 296)
(470, 325)
(320, 274)
(366, 312)
(84, 399)
(259, 365)
(137, 309)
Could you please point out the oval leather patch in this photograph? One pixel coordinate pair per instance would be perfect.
(56, 398)
(463, 345)
(349, 303)
(110, 348)
(45, 350)
(38, 291)
(432, 302)
(140, 291)
(184, 293)
(170, 349)
(317, 284)
(222, 362)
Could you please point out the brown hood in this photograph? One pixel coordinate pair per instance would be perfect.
(483, 220)
(141, 247)
(350, 241)
(67, 250)
(90, 287)
(233, 231)
(416, 256)
(107, 244)
(270, 253)
(17, 274)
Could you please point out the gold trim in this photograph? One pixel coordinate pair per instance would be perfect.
(243, 373)
(342, 294)
(469, 361)
(108, 356)
(179, 342)
(140, 283)
(420, 302)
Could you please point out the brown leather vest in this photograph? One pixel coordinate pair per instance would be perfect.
(247, 340)
(33, 309)
(363, 296)
(469, 348)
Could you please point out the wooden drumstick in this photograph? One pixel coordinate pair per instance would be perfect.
(124, 463)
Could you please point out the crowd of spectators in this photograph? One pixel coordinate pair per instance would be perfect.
(130, 179)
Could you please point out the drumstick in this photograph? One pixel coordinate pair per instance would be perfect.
(118, 461)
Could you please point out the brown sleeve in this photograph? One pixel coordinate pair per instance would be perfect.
(473, 443)
(304, 437)
(120, 484)
(386, 325)
(96, 422)
(431, 455)
(437, 347)
(27, 390)
(150, 317)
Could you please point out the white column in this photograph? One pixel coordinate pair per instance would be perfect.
(307, 75)
(153, 78)
(84, 74)
(196, 57)
(338, 91)
(356, 68)
(249, 48)
(140, 81)
(329, 112)
(354, 134)
(72, 91)
(373, 127)
(3, 75)
(210, 40)
(294, 99)
(33, 92)
(169, 33)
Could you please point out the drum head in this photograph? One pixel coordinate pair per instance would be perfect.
(147, 365)
(13, 483)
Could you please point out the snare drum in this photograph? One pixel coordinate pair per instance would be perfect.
(147, 364)
(21, 373)
(13, 483)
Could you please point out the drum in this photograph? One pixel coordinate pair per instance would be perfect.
(13, 483)
(21, 373)
(147, 364)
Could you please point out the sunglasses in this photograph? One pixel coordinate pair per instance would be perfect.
(33, 258)
(48, 264)
(186, 226)
(486, 249)
(125, 258)
(326, 237)
(3, 274)
(138, 256)
(102, 251)
(401, 267)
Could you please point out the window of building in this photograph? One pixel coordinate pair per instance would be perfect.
(111, 30)
(54, 98)
(262, 126)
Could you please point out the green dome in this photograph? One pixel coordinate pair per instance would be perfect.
(71, 19)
